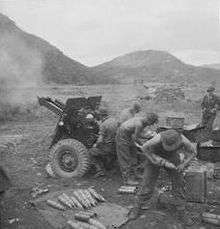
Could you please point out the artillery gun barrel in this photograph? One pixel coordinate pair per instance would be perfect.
(54, 106)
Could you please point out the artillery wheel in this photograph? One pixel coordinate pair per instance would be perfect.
(69, 158)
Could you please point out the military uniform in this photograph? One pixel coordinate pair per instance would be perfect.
(126, 150)
(105, 150)
(157, 157)
(125, 115)
(152, 169)
(209, 106)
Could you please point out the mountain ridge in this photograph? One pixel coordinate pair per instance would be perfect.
(27, 54)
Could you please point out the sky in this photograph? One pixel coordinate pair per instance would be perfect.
(95, 31)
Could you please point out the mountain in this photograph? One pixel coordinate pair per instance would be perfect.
(157, 66)
(215, 66)
(28, 57)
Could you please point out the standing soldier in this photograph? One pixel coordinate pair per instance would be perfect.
(104, 150)
(209, 108)
(128, 133)
(129, 112)
(162, 151)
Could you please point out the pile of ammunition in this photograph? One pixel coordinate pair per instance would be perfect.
(85, 220)
(78, 199)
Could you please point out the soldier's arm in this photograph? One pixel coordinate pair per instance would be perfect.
(203, 102)
(148, 151)
(190, 148)
(137, 133)
(101, 134)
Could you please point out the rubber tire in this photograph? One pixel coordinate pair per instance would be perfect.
(82, 155)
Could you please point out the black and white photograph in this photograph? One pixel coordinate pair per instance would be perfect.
(109, 114)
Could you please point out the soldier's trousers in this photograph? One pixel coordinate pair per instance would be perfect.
(208, 120)
(151, 174)
(126, 153)
(103, 155)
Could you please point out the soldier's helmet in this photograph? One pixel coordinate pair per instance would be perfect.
(211, 89)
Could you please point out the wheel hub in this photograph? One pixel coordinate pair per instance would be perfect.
(68, 161)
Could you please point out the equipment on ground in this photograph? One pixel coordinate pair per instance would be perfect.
(210, 150)
(192, 132)
(76, 131)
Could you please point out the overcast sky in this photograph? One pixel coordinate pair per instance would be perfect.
(94, 31)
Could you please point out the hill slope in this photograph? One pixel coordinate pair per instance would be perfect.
(33, 59)
(158, 66)
(215, 66)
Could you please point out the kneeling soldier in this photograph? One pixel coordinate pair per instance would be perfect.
(162, 151)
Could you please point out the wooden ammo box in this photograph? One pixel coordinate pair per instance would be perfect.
(195, 185)
(176, 122)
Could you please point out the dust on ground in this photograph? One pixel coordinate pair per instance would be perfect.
(25, 158)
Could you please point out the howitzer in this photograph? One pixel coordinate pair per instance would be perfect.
(76, 131)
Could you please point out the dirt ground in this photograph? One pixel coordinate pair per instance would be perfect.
(24, 154)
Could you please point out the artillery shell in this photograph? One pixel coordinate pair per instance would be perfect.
(90, 197)
(124, 191)
(76, 202)
(128, 187)
(82, 217)
(96, 195)
(93, 192)
(87, 226)
(97, 224)
(56, 205)
(78, 195)
(69, 200)
(210, 215)
(85, 198)
(89, 213)
(64, 201)
(74, 225)
(212, 221)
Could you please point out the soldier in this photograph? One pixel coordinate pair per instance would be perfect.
(129, 112)
(162, 151)
(209, 108)
(104, 150)
(128, 133)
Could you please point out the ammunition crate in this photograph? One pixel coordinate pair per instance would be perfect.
(196, 185)
(175, 122)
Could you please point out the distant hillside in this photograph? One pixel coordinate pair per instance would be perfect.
(215, 66)
(30, 55)
(158, 66)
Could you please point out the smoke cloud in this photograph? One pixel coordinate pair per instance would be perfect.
(20, 68)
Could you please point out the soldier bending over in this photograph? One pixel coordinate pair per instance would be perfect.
(128, 133)
(162, 151)
(104, 150)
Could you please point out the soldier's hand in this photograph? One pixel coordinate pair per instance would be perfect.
(170, 165)
(181, 167)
